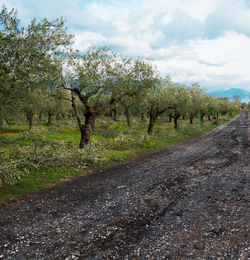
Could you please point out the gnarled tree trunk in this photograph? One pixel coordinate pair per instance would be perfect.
(175, 122)
(49, 117)
(127, 114)
(191, 118)
(170, 117)
(152, 120)
(202, 117)
(30, 118)
(86, 129)
(40, 115)
(176, 117)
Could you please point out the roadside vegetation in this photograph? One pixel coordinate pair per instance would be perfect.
(30, 161)
(63, 112)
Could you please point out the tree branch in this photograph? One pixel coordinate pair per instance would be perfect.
(76, 110)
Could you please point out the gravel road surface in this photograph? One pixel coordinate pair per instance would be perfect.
(187, 201)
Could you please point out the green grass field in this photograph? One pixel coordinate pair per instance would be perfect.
(31, 161)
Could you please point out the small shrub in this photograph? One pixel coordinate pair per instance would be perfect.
(186, 129)
(105, 122)
(40, 154)
(53, 130)
(9, 168)
(88, 156)
(125, 141)
(109, 133)
(127, 131)
(5, 140)
(171, 134)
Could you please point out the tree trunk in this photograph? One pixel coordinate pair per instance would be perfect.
(170, 117)
(152, 120)
(176, 117)
(40, 115)
(191, 120)
(49, 117)
(127, 114)
(202, 117)
(142, 117)
(209, 117)
(30, 118)
(57, 116)
(183, 117)
(175, 122)
(86, 129)
(82, 129)
(110, 114)
(217, 114)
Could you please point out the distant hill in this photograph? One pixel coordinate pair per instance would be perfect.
(231, 93)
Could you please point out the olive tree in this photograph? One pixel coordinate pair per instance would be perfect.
(8, 41)
(178, 101)
(127, 102)
(196, 97)
(98, 73)
(30, 58)
(157, 102)
(211, 107)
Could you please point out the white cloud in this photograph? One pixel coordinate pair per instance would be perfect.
(206, 41)
(222, 61)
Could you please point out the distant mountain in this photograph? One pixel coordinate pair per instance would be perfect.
(231, 93)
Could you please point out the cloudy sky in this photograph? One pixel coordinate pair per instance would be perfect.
(205, 41)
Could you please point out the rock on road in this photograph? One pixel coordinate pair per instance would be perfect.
(187, 201)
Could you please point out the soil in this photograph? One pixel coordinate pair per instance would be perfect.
(187, 201)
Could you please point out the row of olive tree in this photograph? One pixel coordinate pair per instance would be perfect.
(180, 100)
(101, 80)
(39, 72)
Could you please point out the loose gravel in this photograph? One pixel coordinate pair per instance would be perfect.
(187, 201)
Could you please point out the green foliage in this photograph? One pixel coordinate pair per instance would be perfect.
(105, 122)
(109, 133)
(41, 153)
(30, 161)
(53, 130)
(187, 129)
(125, 141)
(28, 62)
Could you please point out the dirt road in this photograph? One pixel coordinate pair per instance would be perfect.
(188, 201)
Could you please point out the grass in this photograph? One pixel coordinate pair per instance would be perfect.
(111, 143)
(35, 181)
